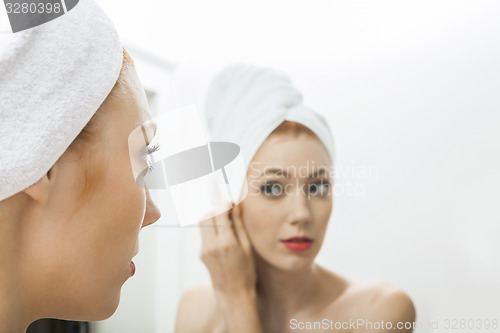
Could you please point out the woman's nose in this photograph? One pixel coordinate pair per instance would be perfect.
(299, 209)
(153, 213)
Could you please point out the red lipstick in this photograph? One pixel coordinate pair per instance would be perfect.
(298, 243)
(132, 267)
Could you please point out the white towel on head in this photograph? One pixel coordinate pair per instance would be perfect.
(246, 103)
(53, 78)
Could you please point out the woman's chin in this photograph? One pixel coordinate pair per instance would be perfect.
(286, 261)
(109, 308)
(96, 310)
(290, 263)
(296, 265)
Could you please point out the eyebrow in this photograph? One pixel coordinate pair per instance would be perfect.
(314, 174)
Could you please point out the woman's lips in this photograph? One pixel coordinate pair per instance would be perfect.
(132, 267)
(298, 244)
(132, 264)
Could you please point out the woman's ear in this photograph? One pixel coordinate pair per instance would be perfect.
(39, 191)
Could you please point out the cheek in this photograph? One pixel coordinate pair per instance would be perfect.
(117, 213)
(322, 211)
(127, 200)
(262, 220)
(327, 209)
(111, 223)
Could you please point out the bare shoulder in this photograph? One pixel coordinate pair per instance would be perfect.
(383, 301)
(382, 297)
(197, 310)
(373, 301)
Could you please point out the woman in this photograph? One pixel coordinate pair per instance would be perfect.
(70, 209)
(260, 254)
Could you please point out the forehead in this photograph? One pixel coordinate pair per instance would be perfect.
(135, 98)
(285, 150)
(138, 95)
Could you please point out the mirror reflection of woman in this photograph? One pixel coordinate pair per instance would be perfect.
(260, 254)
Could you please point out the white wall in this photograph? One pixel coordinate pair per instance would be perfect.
(410, 90)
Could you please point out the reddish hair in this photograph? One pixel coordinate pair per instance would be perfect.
(292, 127)
(295, 129)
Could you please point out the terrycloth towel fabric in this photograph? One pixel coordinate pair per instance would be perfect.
(245, 104)
(53, 78)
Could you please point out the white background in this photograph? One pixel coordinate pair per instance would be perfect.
(410, 89)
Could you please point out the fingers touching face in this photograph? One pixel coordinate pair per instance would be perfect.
(226, 228)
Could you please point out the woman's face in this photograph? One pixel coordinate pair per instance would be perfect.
(80, 261)
(289, 196)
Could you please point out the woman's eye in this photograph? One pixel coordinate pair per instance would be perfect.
(271, 189)
(320, 188)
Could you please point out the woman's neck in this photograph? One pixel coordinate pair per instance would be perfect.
(11, 317)
(290, 292)
(13, 312)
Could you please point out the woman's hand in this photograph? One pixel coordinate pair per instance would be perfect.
(227, 253)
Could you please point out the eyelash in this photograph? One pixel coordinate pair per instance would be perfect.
(149, 151)
(267, 186)
(270, 185)
(324, 183)
(152, 149)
